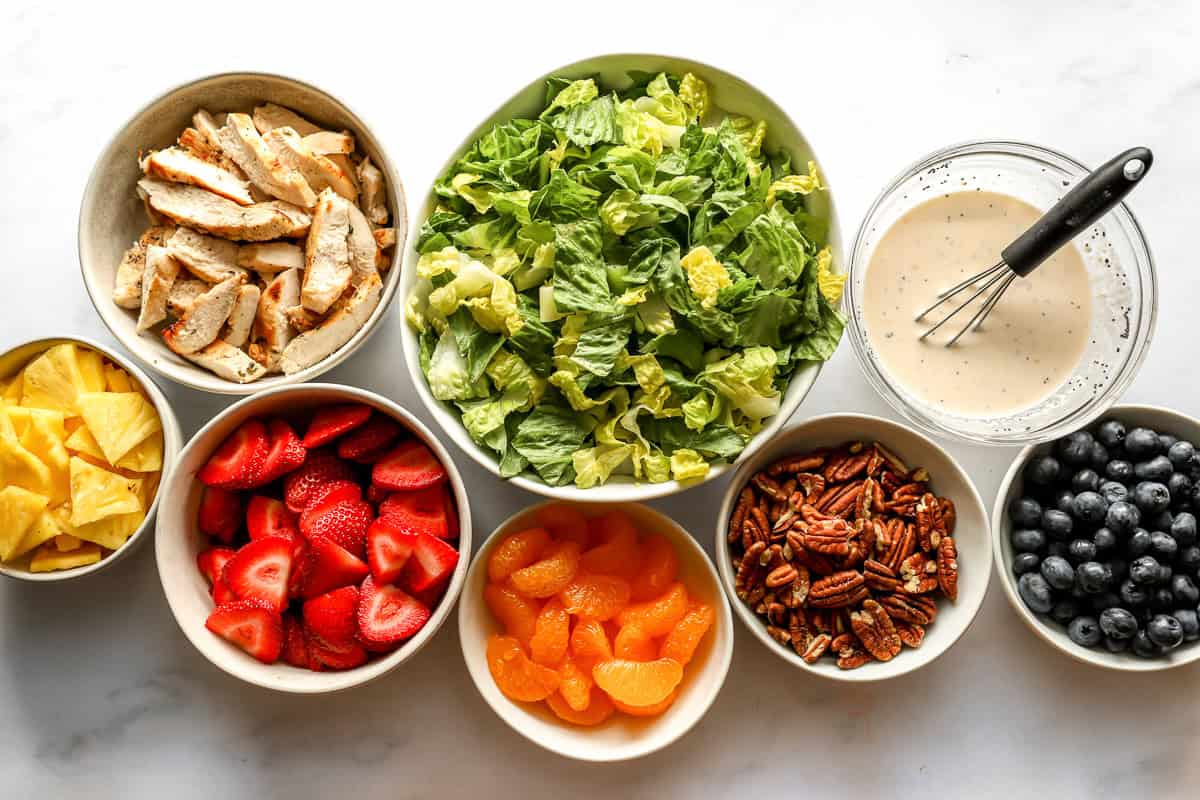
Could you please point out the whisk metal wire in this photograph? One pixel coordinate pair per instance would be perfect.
(998, 274)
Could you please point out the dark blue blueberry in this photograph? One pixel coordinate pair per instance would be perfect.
(1090, 507)
(1151, 497)
(1028, 540)
(1180, 487)
(1058, 572)
(1162, 546)
(1190, 622)
(1057, 524)
(1165, 573)
(1181, 453)
(1043, 470)
(1092, 576)
(1025, 512)
(1165, 440)
(1119, 470)
(1114, 492)
(1098, 457)
(1104, 600)
(1035, 592)
(1104, 539)
(1142, 646)
(1025, 562)
(1122, 517)
(1156, 469)
(1160, 521)
(1064, 501)
(1075, 448)
(1161, 600)
(1065, 610)
(1084, 631)
(1081, 550)
(1116, 645)
(1086, 480)
(1133, 595)
(1188, 557)
(1138, 544)
(1185, 591)
(1119, 568)
(1165, 631)
(1183, 529)
(1142, 444)
(1144, 570)
(1110, 433)
(1118, 623)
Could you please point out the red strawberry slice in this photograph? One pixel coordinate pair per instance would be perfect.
(260, 571)
(300, 566)
(373, 438)
(421, 511)
(377, 494)
(239, 460)
(284, 454)
(327, 655)
(266, 516)
(432, 562)
(220, 513)
(222, 594)
(251, 626)
(331, 422)
(343, 521)
(319, 468)
(331, 615)
(332, 492)
(387, 615)
(388, 550)
(432, 595)
(410, 465)
(295, 642)
(329, 566)
(212, 561)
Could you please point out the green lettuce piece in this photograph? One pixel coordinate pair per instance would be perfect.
(594, 465)
(436, 232)
(706, 276)
(688, 465)
(684, 346)
(448, 372)
(549, 438)
(478, 196)
(475, 345)
(508, 369)
(820, 343)
(656, 467)
(600, 343)
(514, 204)
(795, 185)
(701, 409)
(563, 199)
(694, 94)
(491, 299)
(654, 315)
(588, 123)
(573, 94)
(746, 380)
(752, 133)
(715, 440)
(580, 279)
(482, 418)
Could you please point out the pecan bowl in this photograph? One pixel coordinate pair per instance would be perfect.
(928, 557)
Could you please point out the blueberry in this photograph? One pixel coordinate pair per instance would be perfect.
(1110, 433)
(1160, 521)
(1116, 645)
(1080, 550)
(1180, 487)
(1113, 492)
(1151, 497)
(1119, 470)
(1138, 544)
(1188, 557)
(1133, 595)
(1025, 562)
(1075, 448)
(1165, 631)
(1104, 600)
(1058, 572)
(1122, 517)
(1104, 539)
(1119, 568)
(1185, 591)
(1098, 456)
(1092, 576)
(1065, 610)
(1028, 540)
(1144, 570)
(1183, 529)
(1161, 600)
(1057, 524)
(1025, 512)
(1165, 440)
(1084, 631)
(1043, 470)
(1162, 546)
(1142, 443)
(1181, 453)
(1118, 623)
(1035, 592)
(1064, 501)
(1156, 469)
(1090, 507)
(1142, 646)
(1190, 622)
(1165, 573)
(1058, 549)
(1086, 480)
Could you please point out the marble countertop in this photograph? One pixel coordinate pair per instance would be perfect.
(102, 696)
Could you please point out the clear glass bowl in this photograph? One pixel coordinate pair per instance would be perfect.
(1120, 275)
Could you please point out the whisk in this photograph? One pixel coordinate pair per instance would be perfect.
(1089, 200)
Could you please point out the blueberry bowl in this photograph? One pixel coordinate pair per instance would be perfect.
(1095, 540)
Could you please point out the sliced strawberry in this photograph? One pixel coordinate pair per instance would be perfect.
(285, 452)
(432, 562)
(222, 594)
(374, 437)
(420, 511)
(388, 550)
(251, 626)
(295, 641)
(212, 561)
(266, 516)
(377, 494)
(329, 566)
(343, 521)
(333, 491)
(331, 615)
(410, 465)
(260, 571)
(239, 460)
(327, 655)
(330, 422)
(300, 566)
(220, 513)
(387, 615)
(319, 468)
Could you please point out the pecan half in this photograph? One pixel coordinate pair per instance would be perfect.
(831, 538)
(779, 634)
(902, 546)
(748, 567)
(918, 609)
(744, 501)
(816, 648)
(880, 576)
(852, 657)
(793, 465)
(837, 590)
(928, 518)
(949, 515)
(769, 487)
(918, 574)
(947, 568)
(911, 634)
(799, 631)
(781, 575)
(850, 467)
(874, 628)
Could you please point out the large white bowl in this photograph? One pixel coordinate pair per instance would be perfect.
(1163, 420)
(178, 542)
(18, 357)
(729, 93)
(111, 216)
(621, 737)
(947, 480)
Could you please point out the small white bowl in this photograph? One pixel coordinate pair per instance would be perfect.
(18, 357)
(947, 480)
(1163, 420)
(178, 542)
(111, 216)
(729, 93)
(622, 737)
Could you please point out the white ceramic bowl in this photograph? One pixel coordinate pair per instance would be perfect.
(111, 216)
(622, 737)
(729, 93)
(178, 542)
(947, 480)
(1163, 420)
(18, 357)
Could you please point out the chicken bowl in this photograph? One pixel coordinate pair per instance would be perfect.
(242, 232)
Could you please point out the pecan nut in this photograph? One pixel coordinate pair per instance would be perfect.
(910, 633)
(947, 568)
(794, 465)
(816, 648)
(874, 628)
(918, 609)
(781, 575)
(918, 574)
(837, 590)
(880, 576)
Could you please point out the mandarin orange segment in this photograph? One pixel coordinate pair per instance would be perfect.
(619, 554)
(515, 551)
(515, 675)
(638, 683)
(657, 617)
(564, 522)
(681, 643)
(659, 567)
(597, 709)
(589, 641)
(634, 644)
(598, 597)
(517, 614)
(575, 684)
(652, 710)
(551, 632)
(551, 574)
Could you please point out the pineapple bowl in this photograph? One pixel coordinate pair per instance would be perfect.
(85, 441)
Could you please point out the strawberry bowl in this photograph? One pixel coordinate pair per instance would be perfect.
(310, 538)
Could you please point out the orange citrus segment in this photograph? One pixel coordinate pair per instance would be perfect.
(598, 709)
(551, 631)
(657, 617)
(634, 644)
(517, 614)
(515, 675)
(619, 554)
(595, 596)
(551, 574)
(638, 683)
(681, 643)
(515, 551)
(575, 685)
(589, 641)
(659, 567)
(652, 710)
(565, 522)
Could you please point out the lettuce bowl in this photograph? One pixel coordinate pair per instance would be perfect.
(731, 95)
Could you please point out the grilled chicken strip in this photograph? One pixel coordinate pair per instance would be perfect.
(385, 238)
(207, 257)
(271, 257)
(241, 142)
(183, 294)
(157, 279)
(202, 322)
(373, 201)
(346, 319)
(197, 208)
(127, 288)
(327, 268)
(241, 319)
(320, 172)
(178, 165)
(327, 143)
(272, 325)
(270, 116)
(228, 362)
(361, 242)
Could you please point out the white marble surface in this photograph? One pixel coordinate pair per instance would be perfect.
(101, 695)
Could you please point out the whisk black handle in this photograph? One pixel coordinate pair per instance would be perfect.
(1089, 200)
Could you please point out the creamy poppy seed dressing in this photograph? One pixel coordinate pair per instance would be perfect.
(1029, 345)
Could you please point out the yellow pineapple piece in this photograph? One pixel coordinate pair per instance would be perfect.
(119, 421)
(91, 367)
(110, 532)
(65, 543)
(49, 559)
(43, 438)
(97, 493)
(19, 467)
(82, 441)
(146, 457)
(21, 418)
(47, 526)
(117, 379)
(19, 509)
(53, 380)
(13, 389)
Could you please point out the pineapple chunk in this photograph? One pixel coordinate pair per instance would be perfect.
(43, 438)
(53, 380)
(91, 368)
(146, 457)
(47, 526)
(12, 392)
(117, 379)
(65, 543)
(21, 418)
(19, 467)
(19, 509)
(82, 441)
(97, 493)
(48, 559)
(110, 532)
(119, 421)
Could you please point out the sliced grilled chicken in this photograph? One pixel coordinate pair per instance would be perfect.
(241, 142)
(319, 172)
(327, 142)
(203, 141)
(202, 322)
(197, 208)
(208, 127)
(183, 294)
(198, 145)
(302, 319)
(207, 257)
(272, 325)
(326, 255)
(385, 238)
(178, 165)
(271, 257)
(157, 279)
(228, 362)
(373, 200)
(363, 250)
(127, 288)
(347, 317)
(269, 116)
(241, 319)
